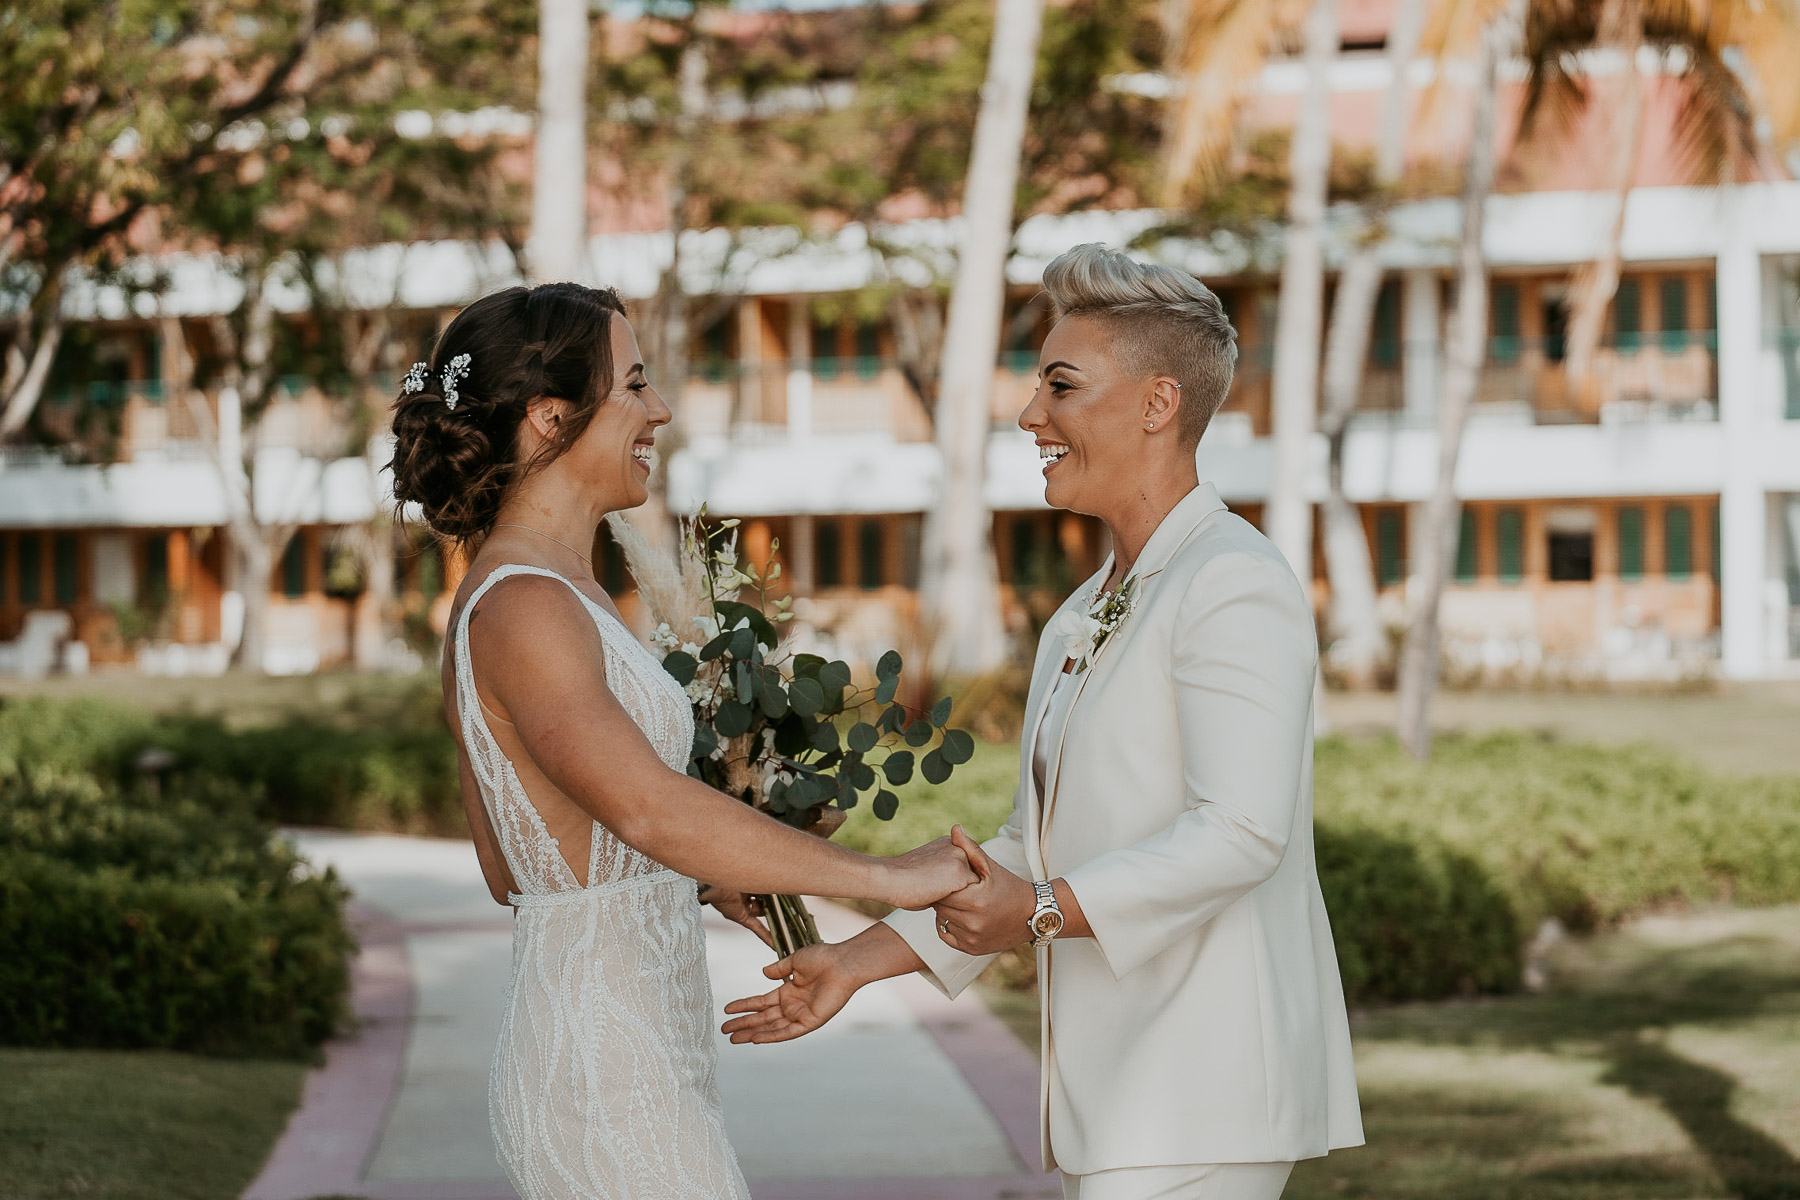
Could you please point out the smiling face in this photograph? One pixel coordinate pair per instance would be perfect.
(1090, 417)
(613, 455)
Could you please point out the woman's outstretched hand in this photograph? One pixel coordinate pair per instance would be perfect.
(920, 878)
(736, 906)
(817, 984)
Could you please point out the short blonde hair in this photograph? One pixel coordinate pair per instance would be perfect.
(1164, 320)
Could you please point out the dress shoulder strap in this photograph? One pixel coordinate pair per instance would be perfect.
(468, 703)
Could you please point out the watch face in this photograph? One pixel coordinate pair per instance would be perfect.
(1047, 923)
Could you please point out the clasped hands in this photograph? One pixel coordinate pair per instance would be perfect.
(986, 916)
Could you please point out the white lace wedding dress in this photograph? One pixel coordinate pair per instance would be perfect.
(604, 1083)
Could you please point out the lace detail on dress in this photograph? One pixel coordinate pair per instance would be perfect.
(604, 1084)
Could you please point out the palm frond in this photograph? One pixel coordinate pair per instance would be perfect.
(1220, 47)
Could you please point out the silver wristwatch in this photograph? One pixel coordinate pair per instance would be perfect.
(1046, 918)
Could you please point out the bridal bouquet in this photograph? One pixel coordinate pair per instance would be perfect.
(788, 733)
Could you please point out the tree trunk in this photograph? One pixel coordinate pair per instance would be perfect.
(255, 578)
(1462, 371)
(960, 586)
(1596, 282)
(1295, 385)
(28, 364)
(918, 321)
(1359, 647)
(557, 247)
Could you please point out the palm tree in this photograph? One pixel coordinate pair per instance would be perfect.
(1360, 644)
(960, 587)
(1716, 122)
(557, 247)
(1216, 51)
(1495, 25)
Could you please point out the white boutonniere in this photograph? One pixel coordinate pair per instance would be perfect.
(1082, 633)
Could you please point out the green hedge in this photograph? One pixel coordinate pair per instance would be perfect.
(154, 917)
(393, 771)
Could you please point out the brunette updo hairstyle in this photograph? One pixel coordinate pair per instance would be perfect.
(460, 464)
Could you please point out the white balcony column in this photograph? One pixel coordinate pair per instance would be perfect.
(1421, 333)
(800, 377)
(1743, 507)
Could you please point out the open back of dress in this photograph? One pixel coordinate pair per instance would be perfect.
(604, 1082)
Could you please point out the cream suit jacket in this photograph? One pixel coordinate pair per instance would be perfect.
(1204, 1021)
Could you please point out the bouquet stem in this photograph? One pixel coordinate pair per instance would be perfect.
(790, 924)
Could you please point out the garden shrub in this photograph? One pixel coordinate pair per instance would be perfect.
(155, 916)
(1414, 919)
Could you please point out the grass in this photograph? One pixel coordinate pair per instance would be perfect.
(137, 1125)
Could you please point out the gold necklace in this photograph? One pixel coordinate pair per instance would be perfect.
(586, 561)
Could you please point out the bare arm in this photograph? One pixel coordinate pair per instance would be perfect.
(543, 662)
(818, 982)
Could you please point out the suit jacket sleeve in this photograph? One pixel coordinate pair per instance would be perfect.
(1244, 657)
(949, 969)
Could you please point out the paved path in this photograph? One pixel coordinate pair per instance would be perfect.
(905, 1096)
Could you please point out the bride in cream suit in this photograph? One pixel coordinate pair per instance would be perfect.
(1160, 850)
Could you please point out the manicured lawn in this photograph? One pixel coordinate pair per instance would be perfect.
(141, 1125)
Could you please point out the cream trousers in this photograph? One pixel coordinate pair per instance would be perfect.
(1219, 1181)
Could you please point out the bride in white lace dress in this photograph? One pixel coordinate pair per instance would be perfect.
(531, 422)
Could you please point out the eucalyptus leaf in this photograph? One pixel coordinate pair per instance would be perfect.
(705, 741)
(893, 719)
(807, 664)
(888, 667)
(805, 696)
(733, 611)
(770, 695)
(863, 777)
(919, 732)
(886, 804)
(793, 735)
(898, 767)
(940, 712)
(958, 746)
(884, 691)
(715, 648)
(834, 676)
(746, 683)
(863, 737)
(934, 768)
(681, 666)
(778, 796)
(743, 643)
(733, 719)
(825, 737)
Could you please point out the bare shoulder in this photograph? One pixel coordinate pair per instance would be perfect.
(526, 621)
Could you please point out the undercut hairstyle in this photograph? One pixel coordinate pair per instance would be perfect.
(1163, 322)
(461, 464)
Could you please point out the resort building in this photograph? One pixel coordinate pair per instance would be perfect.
(1647, 527)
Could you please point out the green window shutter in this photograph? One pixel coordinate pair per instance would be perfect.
(31, 568)
(156, 567)
(1385, 350)
(1715, 543)
(293, 567)
(5, 567)
(829, 552)
(871, 547)
(868, 351)
(1390, 549)
(1024, 551)
(64, 549)
(1678, 541)
(1673, 302)
(1631, 543)
(1504, 345)
(1509, 530)
(1627, 317)
(825, 351)
(1468, 545)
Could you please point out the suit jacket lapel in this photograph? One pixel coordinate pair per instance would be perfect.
(1050, 659)
(1181, 524)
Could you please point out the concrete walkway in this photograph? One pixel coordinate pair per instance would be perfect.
(905, 1096)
